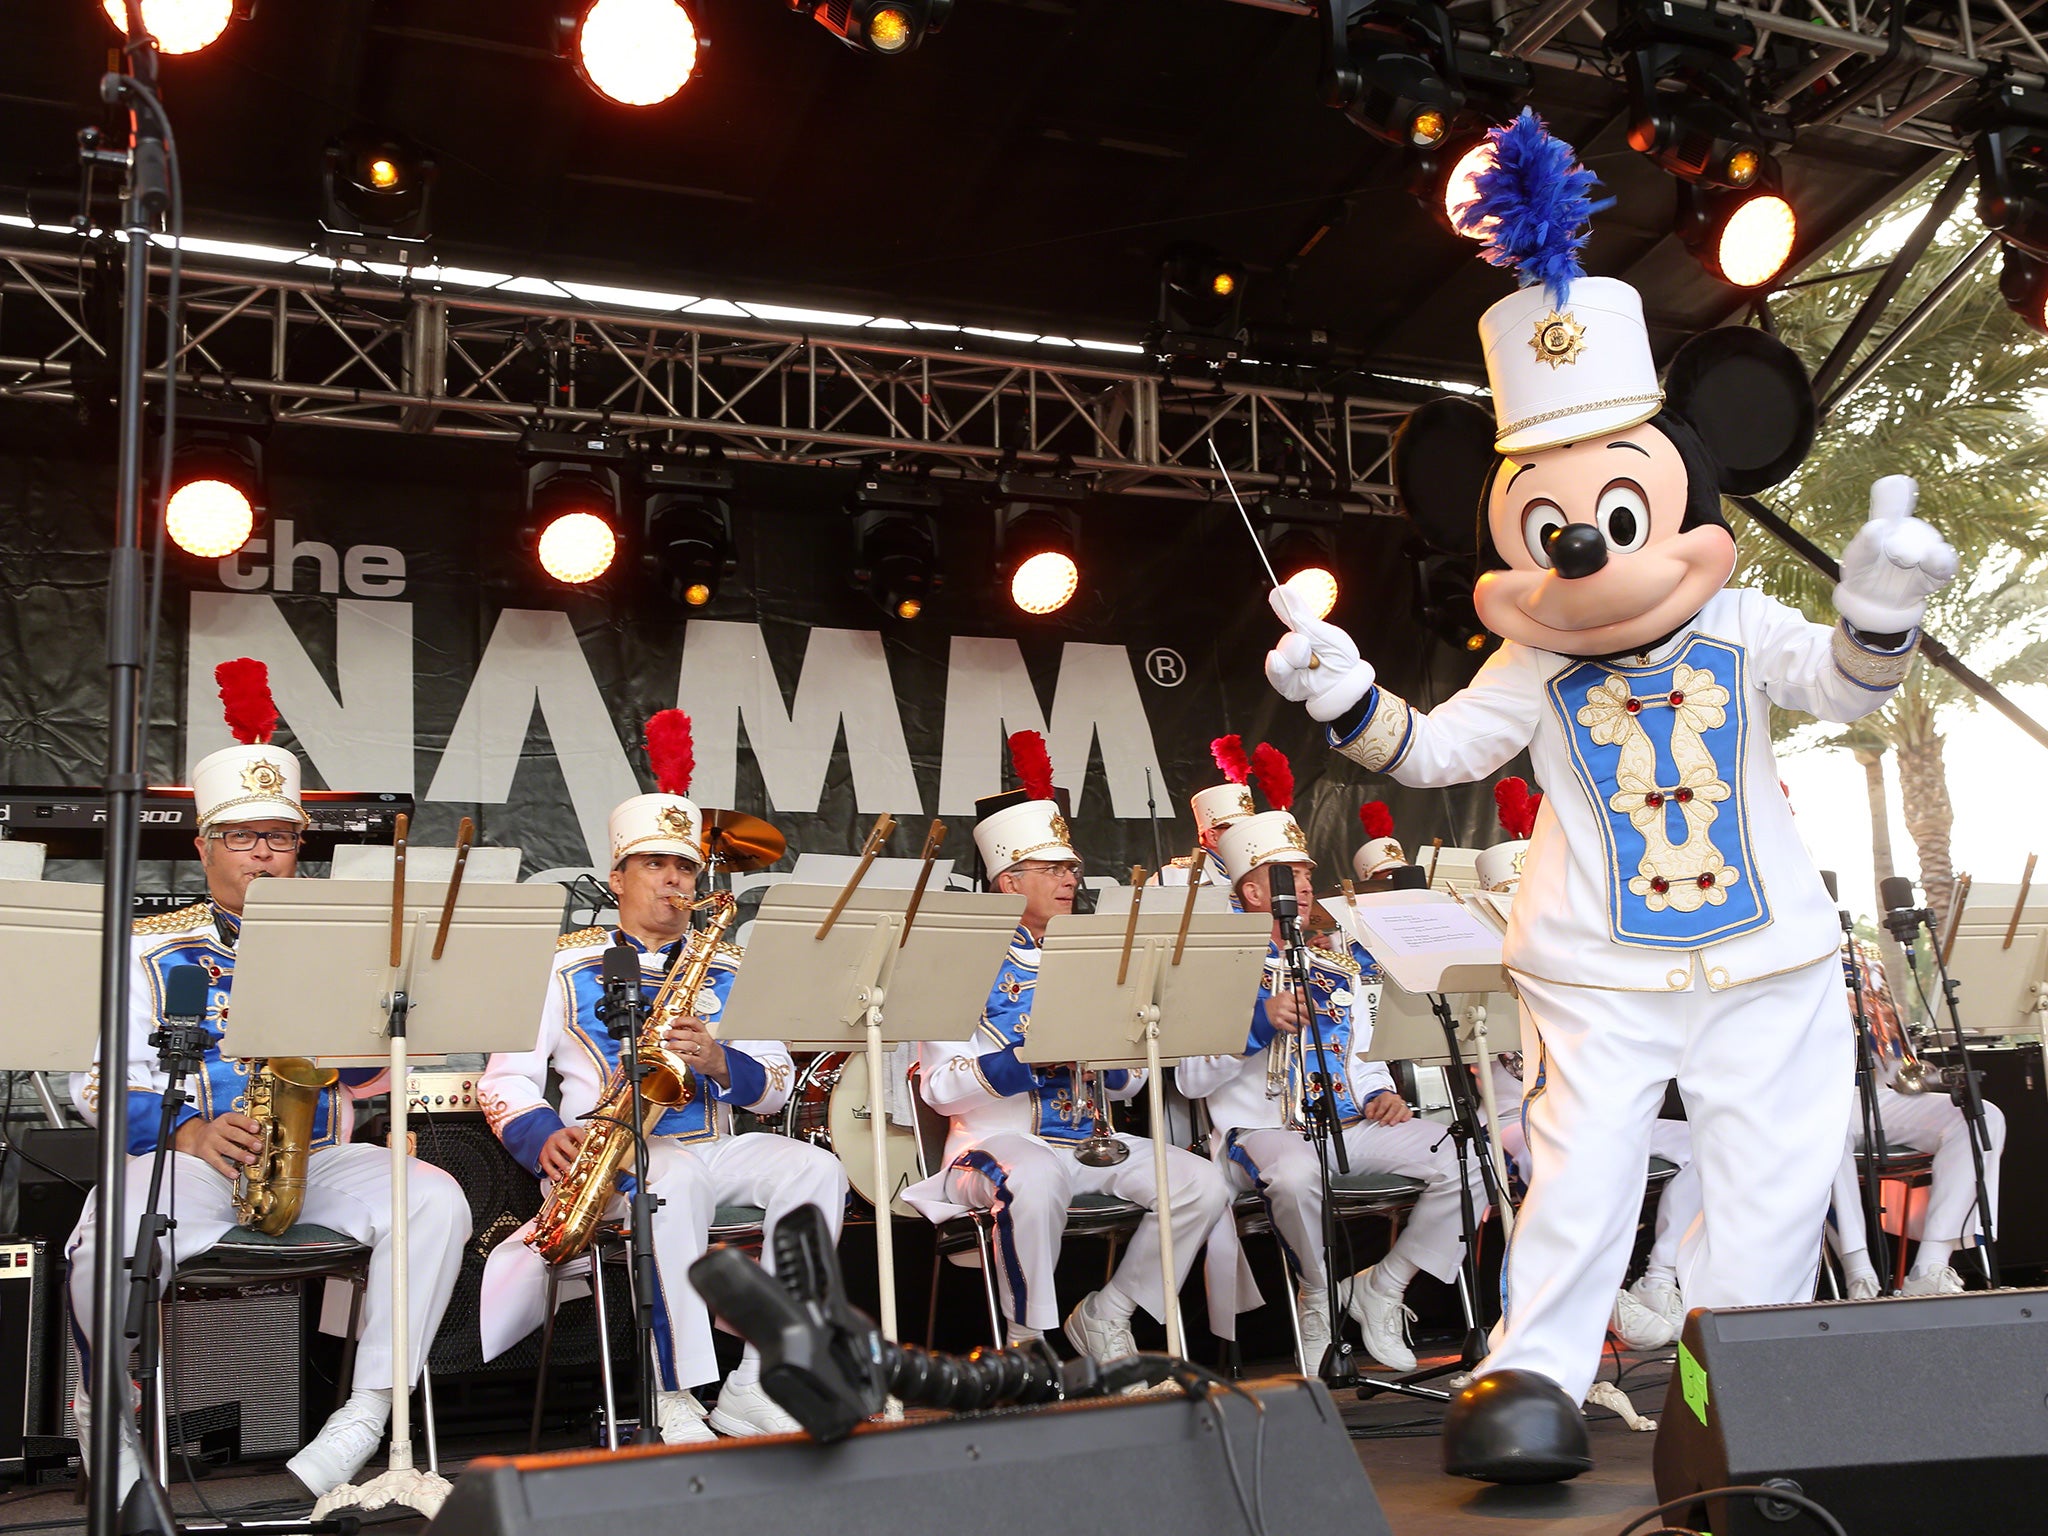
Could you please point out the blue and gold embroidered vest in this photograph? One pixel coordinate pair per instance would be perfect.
(1057, 1112)
(1660, 750)
(696, 1120)
(1336, 993)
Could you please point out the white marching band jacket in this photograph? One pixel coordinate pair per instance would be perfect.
(584, 1055)
(1665, 844)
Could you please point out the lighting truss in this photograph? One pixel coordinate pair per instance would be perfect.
(362, 351)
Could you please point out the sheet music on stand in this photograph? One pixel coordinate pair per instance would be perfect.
(1110, 994)
(50, 955)
(2000, 959)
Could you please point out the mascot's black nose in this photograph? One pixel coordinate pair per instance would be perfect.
(1578, 551)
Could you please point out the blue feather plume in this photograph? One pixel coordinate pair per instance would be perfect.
(1533, 204)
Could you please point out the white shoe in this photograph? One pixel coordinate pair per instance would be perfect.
(745, 1408)
(1315, 1327)
(346, 1441)
(1382, 1322)
(1101, 1339)
(1648, 1315)
(681, 1418)
(1864, 1288)
(1935, 1282)
(131, 1469)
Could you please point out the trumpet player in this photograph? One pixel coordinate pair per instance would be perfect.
(1258, 1102)
(695, 1162)
(1016, 1128)
(1913, 1113)
(250, 823)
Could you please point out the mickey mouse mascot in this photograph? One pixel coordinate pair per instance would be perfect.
(1669, 924)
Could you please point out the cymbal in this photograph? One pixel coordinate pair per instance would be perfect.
(741, 843)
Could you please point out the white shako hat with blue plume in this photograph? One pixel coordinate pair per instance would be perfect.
(1567, 355)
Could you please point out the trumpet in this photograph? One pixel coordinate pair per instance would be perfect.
(1891, 1037)
(1099, 1148)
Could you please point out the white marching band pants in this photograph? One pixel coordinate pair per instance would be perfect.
(776, 1173)
(348, 1188)
(1029, 1184)
(1926, 1122)
(1677, 1207)
(1766, 1071)
(1281, 1165)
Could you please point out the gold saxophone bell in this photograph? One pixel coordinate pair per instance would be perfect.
(283, 1098)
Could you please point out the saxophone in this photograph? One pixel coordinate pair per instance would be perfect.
(282, 1097)
(569, 1218)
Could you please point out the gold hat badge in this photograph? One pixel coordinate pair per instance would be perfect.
(1559, 339)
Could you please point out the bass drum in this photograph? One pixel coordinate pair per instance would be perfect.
(829, 1109)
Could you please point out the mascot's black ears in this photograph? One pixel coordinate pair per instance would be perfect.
(1745, 394)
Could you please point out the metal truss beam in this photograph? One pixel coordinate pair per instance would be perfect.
(375, 354)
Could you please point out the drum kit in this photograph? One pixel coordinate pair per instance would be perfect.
(829, 1106)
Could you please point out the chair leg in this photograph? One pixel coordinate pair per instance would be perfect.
(547, 1349)
(345, 1383)
(159, 1416)
(988, 1286)
(931, 1314)
(1465, 1301)
(648, 1416)
(1287, 1292)
(427, 1413)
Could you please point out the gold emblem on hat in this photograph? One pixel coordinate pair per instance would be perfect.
(1559, 340)
(262, 777)
(670, 822)
(1296, 839)
(1059, 830)
(1244, 803)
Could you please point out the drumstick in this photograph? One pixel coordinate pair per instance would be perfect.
(1123, 966)
(1197, 862)
(884, 825)
(932, 840)
(398, 832)
(463, 834)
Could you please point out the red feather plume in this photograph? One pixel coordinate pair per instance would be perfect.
(1517, 806)
(672, 751)
(1377, 820)
(1229, 754)
(1031, 763)
(1274, 775)
(245, 699)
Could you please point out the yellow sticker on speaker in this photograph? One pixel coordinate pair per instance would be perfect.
(1692, 1382)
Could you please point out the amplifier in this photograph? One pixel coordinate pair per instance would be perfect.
(442, 1092)
(72, 823)
(2012, 1081)
(51, 1196)
(26, 1346)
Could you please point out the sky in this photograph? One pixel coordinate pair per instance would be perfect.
(1993, 768)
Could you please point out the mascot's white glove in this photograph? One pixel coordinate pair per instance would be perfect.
(1315, 663)
(1894, 564)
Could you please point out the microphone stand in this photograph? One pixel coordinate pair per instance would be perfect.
(1336, 1367)
(1875, 1149)
(624, 1011)
(1904, 923)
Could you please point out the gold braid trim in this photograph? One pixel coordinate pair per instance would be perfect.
(185, 920)
(1375, 745)
(1574, 410)
(581, 937)
(1873, 669)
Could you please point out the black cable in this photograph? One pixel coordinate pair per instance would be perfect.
(1745, 1490)
(1190, 1375)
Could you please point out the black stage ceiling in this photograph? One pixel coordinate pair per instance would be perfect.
(1025, 167)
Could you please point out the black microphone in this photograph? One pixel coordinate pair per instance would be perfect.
(1901, 917)
(1280, 881)
(1408, 877)
(1827, 878)
(185, 994)
(621, 973)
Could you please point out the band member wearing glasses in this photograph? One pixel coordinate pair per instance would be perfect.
(251, 821)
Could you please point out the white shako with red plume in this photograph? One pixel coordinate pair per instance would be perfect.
(1013, 829)
(1267, 837)
(665, 821)
(1380, 851)
(1500, 867)
(1221, 804)
(254, 780)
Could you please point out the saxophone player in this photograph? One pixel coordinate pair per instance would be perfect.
(1249, 1097)
(695, 1162)
(1016, 1128)
(250, 822)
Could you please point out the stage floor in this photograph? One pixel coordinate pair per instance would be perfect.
(1396, 1441)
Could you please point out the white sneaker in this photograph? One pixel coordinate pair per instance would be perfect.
(1648, 1315)
(1315, 1327)
(1935, 1282)
(348, 1439)
(1382, 1321)
(1101, 1339)
(681, 1418)
(745, 1408)
(131, 1469)
(1864, 1288)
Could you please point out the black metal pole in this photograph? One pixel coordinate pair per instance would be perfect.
(148, 194)
(1875, 1240)
(1968, 1100)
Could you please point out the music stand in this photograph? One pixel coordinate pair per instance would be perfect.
(480, 995)
(874, 973)
(1129, 991)
(2000, 960)
(49, 953)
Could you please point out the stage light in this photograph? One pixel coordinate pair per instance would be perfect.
(886, 27)
(179, 26)
(577, 547)
(2023, 284)
(635, 52)
(1689, 94)
(1458, 189)
(216, 474)
(1038, 541)
(1300, 538)
(209, 518)
(1745, 239)
(896, 542)
(1199, 292)
(375, 191)
(688, 519)
(1389, 77)
(1428, 127)
(2011, 152)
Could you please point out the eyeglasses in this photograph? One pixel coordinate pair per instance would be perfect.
(244, 840)
(1054, 870)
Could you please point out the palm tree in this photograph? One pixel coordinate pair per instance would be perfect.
(1956, 409)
